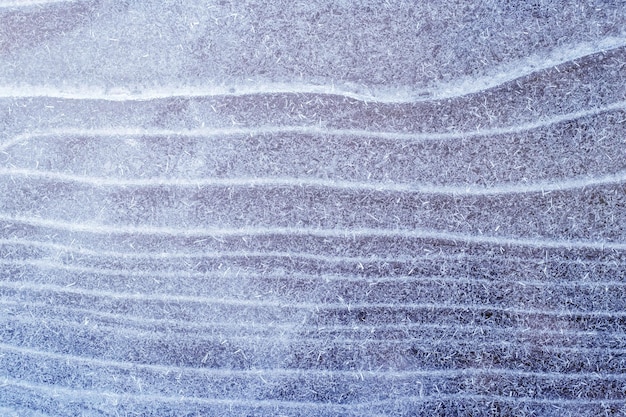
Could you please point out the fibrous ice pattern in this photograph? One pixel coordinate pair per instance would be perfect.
(332, 209)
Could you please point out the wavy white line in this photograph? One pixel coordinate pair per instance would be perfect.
(21, 412)
(406, 94)
(235, 254)
(460, 256)
(105, 229)
(29, 3)
(142, 296)
(147, 321)
(291, 305)
(279, 327)
(326, 277)
(55, 390)
(314, 371)
(318, 130)
(98, 395)
(469, 190)
(274, 338)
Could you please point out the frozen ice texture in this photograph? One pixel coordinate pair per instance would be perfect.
(312, 208)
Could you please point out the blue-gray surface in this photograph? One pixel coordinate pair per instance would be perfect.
(315, 208)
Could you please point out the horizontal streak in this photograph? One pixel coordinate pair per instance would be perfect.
(327, 277)
(14, 412)
(356, 374)
(405, 94)
(174, 298)
(56, 390)
(45, 264)
(288, 304)
(28, 3)
(295, 338)
(236, 254)
(106, 229)
(318, 130)
(461, 256)
(146, 321)
(289, 326)
(469, 189)
(276, 404)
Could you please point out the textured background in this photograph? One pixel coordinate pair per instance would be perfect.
(312, 208)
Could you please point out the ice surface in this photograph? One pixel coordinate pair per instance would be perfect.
(312, 208)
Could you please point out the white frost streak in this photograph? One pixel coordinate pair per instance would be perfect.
(98, 395)
(470, 190)
(260, 303)
(462, 87)
(129, 321)
(104, 229)
(311, 372)
(29, 3)
(317, 130)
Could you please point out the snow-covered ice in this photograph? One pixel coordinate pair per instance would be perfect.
(312, 208)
